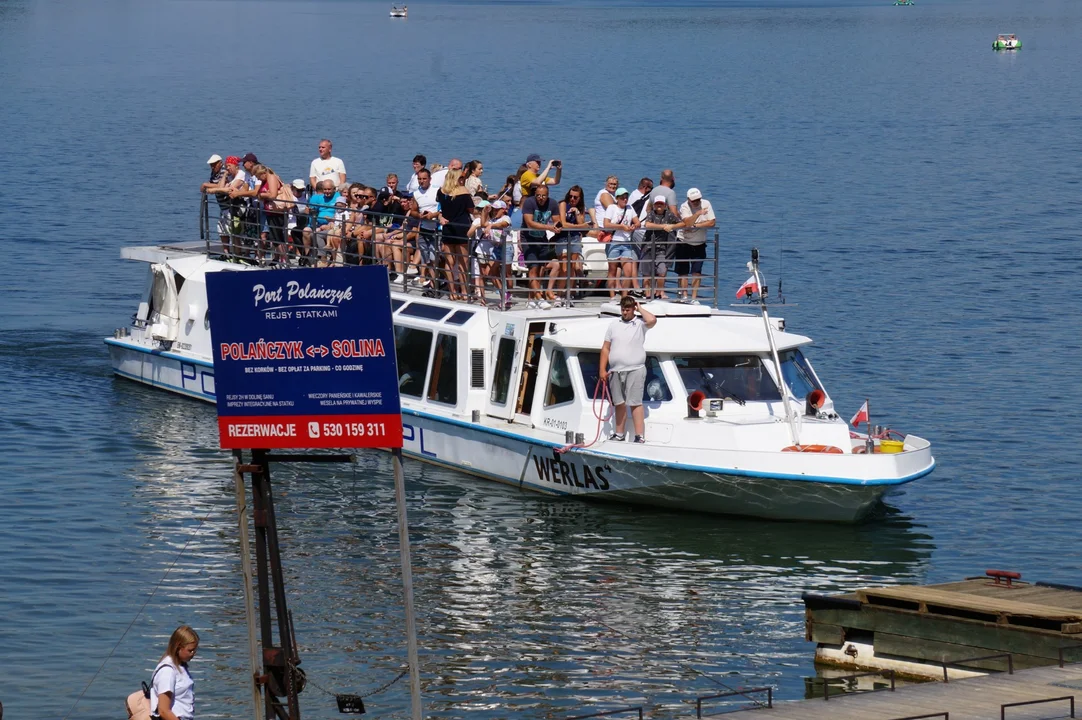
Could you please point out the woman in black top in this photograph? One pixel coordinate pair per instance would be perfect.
(455, 206)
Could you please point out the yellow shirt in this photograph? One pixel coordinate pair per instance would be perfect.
(526, 182)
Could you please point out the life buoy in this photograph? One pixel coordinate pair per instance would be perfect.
(829, 449)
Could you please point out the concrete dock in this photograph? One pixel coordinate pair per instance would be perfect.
(978, 698)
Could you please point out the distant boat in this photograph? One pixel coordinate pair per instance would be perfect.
(1006, 42)
(904, 2)
(400, 11)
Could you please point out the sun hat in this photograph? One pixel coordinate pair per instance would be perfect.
(659, 199)
(694, 194)
(216, 158)
(621, 191)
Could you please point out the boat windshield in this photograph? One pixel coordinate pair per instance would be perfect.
(798, 373)
(655, 389)
(738, 377)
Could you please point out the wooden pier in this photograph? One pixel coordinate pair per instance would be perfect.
(1035, 694)
(979, 624)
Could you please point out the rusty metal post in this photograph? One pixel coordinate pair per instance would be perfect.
(246, 573)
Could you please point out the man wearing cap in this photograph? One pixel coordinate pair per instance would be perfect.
(530, 180)
(621, 221)
(659, 245)
(623, 366)
(698, 215)
(300, 235)
(217, 185)
(326, 166)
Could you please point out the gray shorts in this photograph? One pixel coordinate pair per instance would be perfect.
(626, 386)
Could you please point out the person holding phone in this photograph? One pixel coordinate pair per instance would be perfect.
(534, 178)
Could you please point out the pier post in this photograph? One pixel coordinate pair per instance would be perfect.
(407, 583)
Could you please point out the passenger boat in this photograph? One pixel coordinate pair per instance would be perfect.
(1006, 41)
(904, 2)
(737, 420)
(399, 12)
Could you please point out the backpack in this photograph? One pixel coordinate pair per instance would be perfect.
(138, 703)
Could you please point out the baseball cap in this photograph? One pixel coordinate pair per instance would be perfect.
(533, 157)
(621, 191)
(694, 194)
(232, 160)
(214, 159)
(299, 184)
(250, 157)
(500, 205)
(481, 203)
(659, 199)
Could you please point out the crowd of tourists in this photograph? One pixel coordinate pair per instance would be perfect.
(447, 233)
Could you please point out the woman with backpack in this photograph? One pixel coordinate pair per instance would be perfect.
(172, 690)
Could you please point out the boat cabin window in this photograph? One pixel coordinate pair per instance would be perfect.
(559, 389)
(798, 373)
(428, 312)
(443, 386)
(460, 317)
(396, 304)
(412, 347)
(655, 389)
(501, 376)
(739, 377)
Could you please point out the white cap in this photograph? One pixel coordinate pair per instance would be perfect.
(214, 159)
(299, 184)
(694, 194)
(659, 199)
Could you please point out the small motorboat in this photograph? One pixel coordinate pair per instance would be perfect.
(904, 2)
(1006, 42)
(399, 12)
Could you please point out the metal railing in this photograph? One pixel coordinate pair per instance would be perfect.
(1060, 651)
(744, 693)
(424, 257)
(965, 661)
(607, 713)
(944, 715)
(879, 673)
(1004, 706)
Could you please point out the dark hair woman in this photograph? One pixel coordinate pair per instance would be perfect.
(575, 222)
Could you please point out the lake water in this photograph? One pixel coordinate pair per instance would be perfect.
(918, 192)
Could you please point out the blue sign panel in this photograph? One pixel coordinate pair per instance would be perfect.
(304, 358)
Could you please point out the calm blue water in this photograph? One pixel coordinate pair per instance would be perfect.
(925, 192)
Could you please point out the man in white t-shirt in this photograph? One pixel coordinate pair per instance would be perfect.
(440, 175)
(326, 167)
(623, 366)
(698, 215)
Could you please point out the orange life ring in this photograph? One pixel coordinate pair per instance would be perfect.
(829, 449)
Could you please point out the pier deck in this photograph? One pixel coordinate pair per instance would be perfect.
(979, 698)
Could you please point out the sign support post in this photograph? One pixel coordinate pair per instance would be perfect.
(246, 573)
(407, 582)
(303, 359)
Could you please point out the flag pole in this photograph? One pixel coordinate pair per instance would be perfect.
(869, 444)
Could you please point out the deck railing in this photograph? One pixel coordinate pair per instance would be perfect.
(491, 271)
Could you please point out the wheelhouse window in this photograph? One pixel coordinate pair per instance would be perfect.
(501, 376)
(655, 389)
(559, 390)
(737, 377)
(798, 373)
(443, 387)
(412, 347)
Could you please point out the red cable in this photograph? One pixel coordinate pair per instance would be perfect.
(604, 387)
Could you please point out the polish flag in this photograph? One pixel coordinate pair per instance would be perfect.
(750, 287)
(861, 416)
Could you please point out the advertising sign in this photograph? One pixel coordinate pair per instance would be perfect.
(304, 358)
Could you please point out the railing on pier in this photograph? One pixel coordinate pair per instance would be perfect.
(742, 693)
(608, 713)
(425, 258)
(875, 673)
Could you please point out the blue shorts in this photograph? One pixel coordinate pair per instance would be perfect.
(617, 251)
